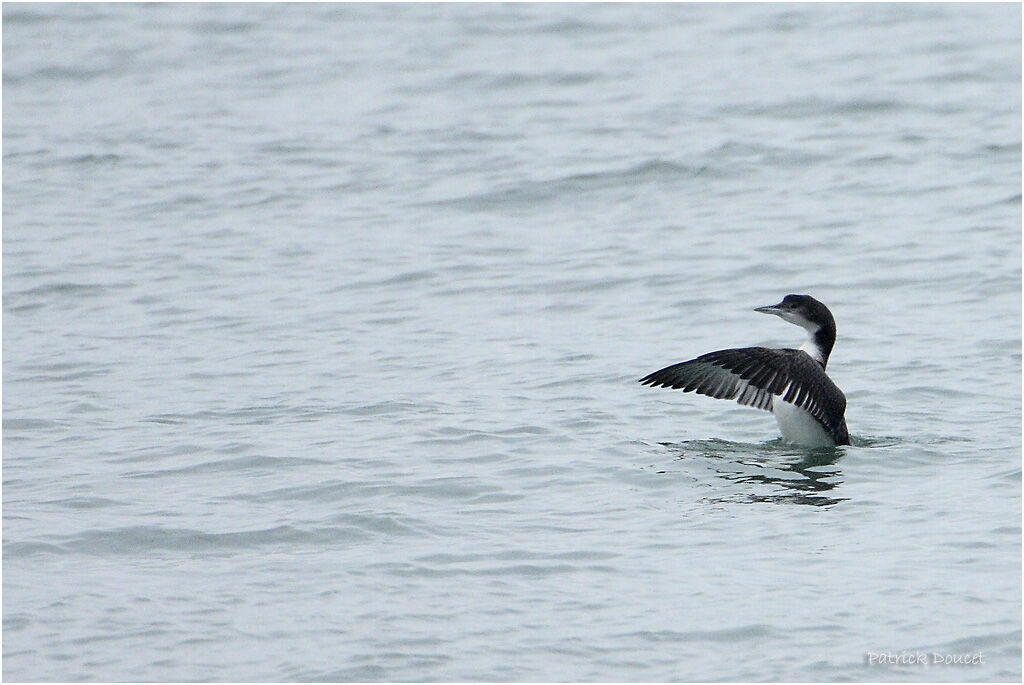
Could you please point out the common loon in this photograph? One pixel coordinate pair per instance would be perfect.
(791, 384)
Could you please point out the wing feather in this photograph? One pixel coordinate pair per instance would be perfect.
(753, 376)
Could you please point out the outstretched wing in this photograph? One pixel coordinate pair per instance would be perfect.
(754, 376)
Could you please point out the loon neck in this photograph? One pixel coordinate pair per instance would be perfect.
(819, 344)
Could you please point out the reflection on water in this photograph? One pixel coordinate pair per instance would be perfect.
(774, 471)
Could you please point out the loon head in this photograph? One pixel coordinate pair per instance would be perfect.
(802, 310)
(812, 316)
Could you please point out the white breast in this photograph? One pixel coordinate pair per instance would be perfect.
(799, 427)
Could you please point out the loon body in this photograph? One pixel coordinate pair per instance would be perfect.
(792, 384)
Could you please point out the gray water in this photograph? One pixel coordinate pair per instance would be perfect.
(322, 326)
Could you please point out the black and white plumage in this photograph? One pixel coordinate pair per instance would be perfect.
(792, 384)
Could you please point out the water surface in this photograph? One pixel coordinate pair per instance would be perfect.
(322, 326)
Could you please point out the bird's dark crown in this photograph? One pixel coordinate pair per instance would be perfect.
(810, 308)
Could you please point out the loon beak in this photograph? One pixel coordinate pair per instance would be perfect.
(771, 309)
